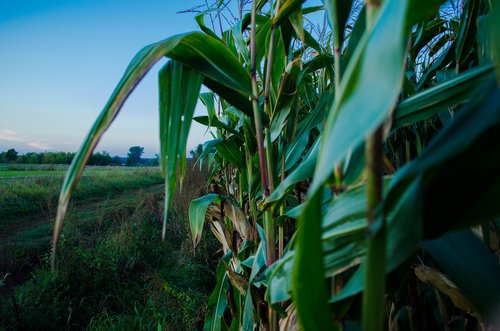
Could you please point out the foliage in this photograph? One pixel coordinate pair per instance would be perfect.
(134, 155)
(11, 155)
(99, 158)
(317, 200)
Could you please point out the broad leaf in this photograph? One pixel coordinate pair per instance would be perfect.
(369, 89)
(471, 266)
(197, 211)
(218, 300)
(209, 56)
(309, 287)
(440, 97)
(179, 87)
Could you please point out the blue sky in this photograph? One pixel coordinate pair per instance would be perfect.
(60, 60)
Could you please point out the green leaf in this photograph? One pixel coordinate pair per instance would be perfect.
(179, 89)
(469, 144)
(200, 19)
(495, 35)
(309, 287)
(468, 30)
(206, 120)
(355, 37)
(338, 13)
(471, 266)
(240, 43)
(208, 147)
(369, 89)
(230, 150)
(303, 171)
(207, 98)
(285, 10)
(218, 300)
(197, 211)
(209, 56)
(440, 97)
(280, 282)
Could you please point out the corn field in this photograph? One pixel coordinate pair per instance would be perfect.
(355, 173)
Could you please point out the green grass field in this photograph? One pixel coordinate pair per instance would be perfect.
(113, 271)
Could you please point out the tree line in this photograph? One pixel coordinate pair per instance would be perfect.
(134, 158)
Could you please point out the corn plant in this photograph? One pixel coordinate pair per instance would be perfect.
(344, 169)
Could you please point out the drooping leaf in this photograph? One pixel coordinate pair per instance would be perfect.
(207, 98)
(221, 70)
(197, 211)
(179, 87)
(440, 282)
(200, 19)
(205, 120)
(208, 147)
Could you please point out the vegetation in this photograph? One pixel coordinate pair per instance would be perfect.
(111, 274)
(354, 174)
(134, 155)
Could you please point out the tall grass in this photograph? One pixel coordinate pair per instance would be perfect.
(115, 272)
(39, 193)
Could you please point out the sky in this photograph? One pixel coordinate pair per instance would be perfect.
(60, 61)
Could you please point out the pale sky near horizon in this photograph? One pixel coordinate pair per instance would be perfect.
(60, 60)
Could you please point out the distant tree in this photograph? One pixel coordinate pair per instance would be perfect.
(134, 155)
(116, 161)
(100, 158)
(29, 158)
(11, 155)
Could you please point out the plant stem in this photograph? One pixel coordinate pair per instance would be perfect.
(373, 297)
(282, 207)
(255, 105)
(373, 312)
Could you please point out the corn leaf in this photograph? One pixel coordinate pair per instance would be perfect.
(308, 283)
(461, 255)
(218, 300)
(495, 35)
(197, 211)
(471, 141)
(369, 89)
(286, 9)
(179, 88)
(205, 54)
(440, 97)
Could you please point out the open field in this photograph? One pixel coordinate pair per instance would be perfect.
(113, 271)
(29, 191)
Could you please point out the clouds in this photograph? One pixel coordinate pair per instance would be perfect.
(40, 145)
(11, 138)
(10, 135)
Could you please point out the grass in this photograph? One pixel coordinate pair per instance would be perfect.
(113, 272)
(20, 196)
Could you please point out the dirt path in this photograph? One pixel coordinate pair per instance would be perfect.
(13, 227)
